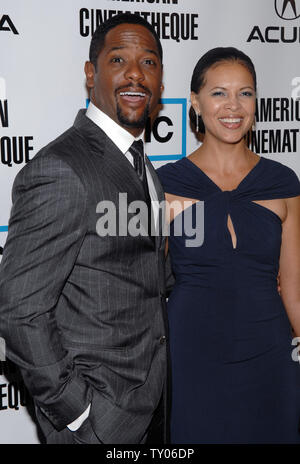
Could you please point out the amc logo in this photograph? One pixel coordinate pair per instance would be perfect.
(287, 9)
(166, 139)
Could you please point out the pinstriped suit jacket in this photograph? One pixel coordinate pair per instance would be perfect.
(83, 315)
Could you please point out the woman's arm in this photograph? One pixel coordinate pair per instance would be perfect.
(290, 263)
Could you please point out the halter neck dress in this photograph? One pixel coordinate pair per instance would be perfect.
(233, 376)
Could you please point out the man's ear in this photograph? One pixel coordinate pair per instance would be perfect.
(89, 70)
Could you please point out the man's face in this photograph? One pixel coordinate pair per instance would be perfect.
(128, 81)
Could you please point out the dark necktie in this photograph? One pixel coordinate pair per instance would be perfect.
(137, 151)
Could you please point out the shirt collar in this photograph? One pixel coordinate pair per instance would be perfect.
(119, 136)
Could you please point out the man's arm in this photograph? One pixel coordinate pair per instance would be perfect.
(169, 276)
(46, 229)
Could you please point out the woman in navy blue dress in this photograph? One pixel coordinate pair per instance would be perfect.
(235, 375)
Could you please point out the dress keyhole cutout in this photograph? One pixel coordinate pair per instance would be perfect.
(232, 232)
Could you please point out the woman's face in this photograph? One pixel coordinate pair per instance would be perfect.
(226, 102)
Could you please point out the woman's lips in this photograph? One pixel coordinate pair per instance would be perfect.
(231, 123)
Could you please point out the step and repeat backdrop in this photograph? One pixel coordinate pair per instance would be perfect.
(43, 47)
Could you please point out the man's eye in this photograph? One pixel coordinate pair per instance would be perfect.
(149, 61)
(116, 59)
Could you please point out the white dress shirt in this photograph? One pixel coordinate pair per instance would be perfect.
(123, 140)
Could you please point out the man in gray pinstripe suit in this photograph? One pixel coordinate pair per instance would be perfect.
(83, 315)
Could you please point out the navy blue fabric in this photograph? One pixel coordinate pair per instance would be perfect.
(233, 377)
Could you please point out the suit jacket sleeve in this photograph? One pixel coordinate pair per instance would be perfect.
(169, 276)
(46, 229)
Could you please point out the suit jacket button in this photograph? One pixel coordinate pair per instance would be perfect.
(162, 339)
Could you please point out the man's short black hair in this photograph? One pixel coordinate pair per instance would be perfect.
(98, 39)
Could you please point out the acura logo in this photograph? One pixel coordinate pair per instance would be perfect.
(287, 9)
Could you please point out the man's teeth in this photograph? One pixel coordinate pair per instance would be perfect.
(133, 94)
(231, 120)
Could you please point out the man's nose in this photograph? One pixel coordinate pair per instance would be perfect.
(134, 72)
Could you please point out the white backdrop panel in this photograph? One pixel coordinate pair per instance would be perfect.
(43, 49)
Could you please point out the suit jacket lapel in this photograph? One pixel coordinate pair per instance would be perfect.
(115, 165)
(160, 240)
(121, 172)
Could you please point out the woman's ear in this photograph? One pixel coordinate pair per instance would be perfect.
(195, 102)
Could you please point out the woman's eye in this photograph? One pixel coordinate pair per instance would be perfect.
(217, 93)
(247, 93)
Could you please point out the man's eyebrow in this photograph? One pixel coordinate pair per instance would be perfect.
(148, 50)
(112, 49)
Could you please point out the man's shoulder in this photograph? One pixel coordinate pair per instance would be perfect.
(74, 140)
(66, 144)
(55, 159)
(69, 152)
(52, 153)
(69, 148)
